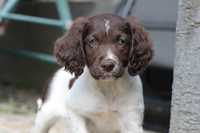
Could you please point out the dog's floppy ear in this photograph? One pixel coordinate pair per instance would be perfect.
(141, 48)
(68, 49)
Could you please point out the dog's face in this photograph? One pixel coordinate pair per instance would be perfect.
(107, 44)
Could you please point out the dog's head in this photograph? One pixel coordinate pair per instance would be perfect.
(106, 44)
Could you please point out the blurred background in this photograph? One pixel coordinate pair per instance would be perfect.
(26, 47)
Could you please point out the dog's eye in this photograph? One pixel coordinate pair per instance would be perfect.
(92, 41)
(122, 40)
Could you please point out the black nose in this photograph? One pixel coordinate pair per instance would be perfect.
(108, 65)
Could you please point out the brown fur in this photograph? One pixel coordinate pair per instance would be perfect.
(141, 52)
(74, 51)
(68, 49)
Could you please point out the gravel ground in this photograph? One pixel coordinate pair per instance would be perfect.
(18, 123)
(17, 111)
(12, 123)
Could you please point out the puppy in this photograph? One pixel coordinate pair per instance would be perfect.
(98, 90)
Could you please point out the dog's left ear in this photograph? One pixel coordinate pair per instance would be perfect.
(141, 48)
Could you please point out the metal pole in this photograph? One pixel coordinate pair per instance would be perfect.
(29, 54)
(64, 12)
(33, 19)
(10, 4)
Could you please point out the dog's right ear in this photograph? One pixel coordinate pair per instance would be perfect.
(68, 49)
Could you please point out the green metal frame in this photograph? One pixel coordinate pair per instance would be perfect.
(62, 7)
(6, 13)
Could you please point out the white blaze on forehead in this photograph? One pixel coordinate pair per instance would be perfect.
(107, 25)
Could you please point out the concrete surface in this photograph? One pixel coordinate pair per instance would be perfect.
(185, 116)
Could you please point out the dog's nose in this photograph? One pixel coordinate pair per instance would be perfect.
(108, 65)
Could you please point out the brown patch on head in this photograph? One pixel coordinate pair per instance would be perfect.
(89, 41)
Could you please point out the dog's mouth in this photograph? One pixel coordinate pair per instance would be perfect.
(107, 75)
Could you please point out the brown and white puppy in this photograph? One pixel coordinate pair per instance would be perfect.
(105, 53)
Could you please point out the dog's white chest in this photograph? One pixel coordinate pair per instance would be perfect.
(88, 102)
(104, 119)
(103, 122)
(100, 108)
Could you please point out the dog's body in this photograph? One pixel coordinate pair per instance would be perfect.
(105, 53)
(92, 106)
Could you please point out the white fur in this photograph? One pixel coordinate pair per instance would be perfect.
(39, 103)
(111, 55)
(107, 25)
(92, 106)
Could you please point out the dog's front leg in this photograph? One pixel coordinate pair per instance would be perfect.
(131, 122)
(78, 123)
(48, 115)
(45, 118)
